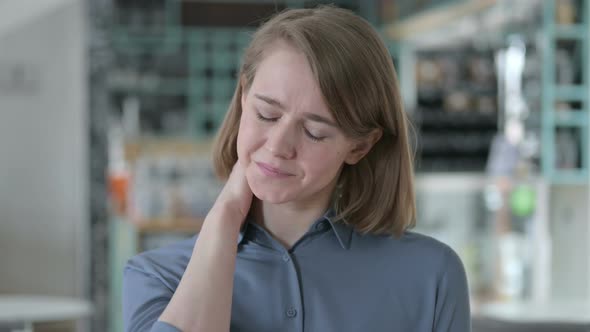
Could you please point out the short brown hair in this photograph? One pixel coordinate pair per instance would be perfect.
(358, 82)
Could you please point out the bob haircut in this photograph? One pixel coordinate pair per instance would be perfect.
(357, 79)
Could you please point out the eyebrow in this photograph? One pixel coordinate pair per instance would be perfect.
(309, 116)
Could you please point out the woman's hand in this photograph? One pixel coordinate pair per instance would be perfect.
(236, 196)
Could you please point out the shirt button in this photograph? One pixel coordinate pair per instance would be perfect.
(286, 257)
(321, 226)
(291, 312)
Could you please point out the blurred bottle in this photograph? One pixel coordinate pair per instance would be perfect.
(117, 171)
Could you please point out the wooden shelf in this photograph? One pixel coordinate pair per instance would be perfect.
(186, 226)
(435, 19)
(181, 147)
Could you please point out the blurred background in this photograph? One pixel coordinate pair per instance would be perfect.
(108, 108)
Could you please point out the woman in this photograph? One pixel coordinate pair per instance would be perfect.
(310, 232)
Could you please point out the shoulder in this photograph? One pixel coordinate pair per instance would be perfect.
(427, 248)
(425, 273)
(417, 252)
(434, 258)
(166, 264)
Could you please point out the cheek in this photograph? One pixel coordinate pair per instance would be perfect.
(325, 164)
(247, 136)
(242, 142)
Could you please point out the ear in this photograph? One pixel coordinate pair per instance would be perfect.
(361, 147)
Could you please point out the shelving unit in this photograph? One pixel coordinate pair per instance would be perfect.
(554, 120)
(572, 183)
(457, 111)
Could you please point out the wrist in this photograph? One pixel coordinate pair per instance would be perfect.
(230, 209)
(227, 214)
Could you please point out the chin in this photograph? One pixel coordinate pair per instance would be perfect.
(271, 196)
(268, 191)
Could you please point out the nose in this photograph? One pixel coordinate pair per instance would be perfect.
(281, 141)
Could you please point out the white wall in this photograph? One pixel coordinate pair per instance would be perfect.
(16, 13)
(43, 155)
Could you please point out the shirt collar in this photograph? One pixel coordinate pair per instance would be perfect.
(342, 231)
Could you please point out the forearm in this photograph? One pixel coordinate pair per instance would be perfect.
(202, 301)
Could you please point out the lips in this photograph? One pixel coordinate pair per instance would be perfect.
(272, 171)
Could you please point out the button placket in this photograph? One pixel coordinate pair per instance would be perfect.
(292, 304)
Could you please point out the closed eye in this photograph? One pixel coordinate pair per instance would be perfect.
(265, 119)
(312, 137)
(307, 132)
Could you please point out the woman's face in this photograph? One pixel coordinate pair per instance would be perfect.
(288, 140)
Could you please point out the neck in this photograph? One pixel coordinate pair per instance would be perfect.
(288, 222)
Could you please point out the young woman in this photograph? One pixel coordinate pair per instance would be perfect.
(310, 232)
